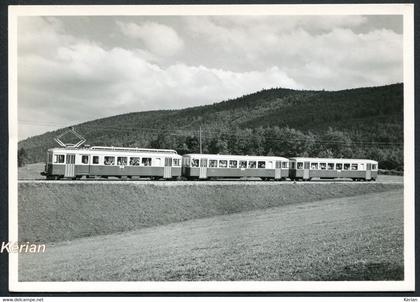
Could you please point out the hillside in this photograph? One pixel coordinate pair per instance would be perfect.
(363, 122)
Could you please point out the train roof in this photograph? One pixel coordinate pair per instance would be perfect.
(238, 157)
(330, 160)
(115, 150)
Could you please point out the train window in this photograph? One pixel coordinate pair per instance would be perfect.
(354, 166)
(134, 161)
(284, 164)
(306, 165)
(213, 163)
(339, 166)
(300, 165)
(252, 164)
(346, 166)
(109, 160)
(222, 163)
(59, 159)
(168, 162)
(314, 166)
(85, 159)
(233, 164)
(195, 163)
(203, 163)
(330, 166)
(373, 166)
(146, 161)
(261, 164)
(242, 164)
(293, 165)
(95, 160)
(176, 162)
(49, 157)
(121, 161)
(323, 166)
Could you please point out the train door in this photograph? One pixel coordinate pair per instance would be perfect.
(69, 168)
(306, 170)
(368, 171)
(277, 171)
(167, 169)
(203, 168)
(84, 167)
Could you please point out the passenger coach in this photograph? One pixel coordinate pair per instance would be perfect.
(304, 168)
(112, 162)
(204, 166)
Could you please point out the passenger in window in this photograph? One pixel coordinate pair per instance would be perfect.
(323, 166)
(314, 166)
(122, 161)
(252, 164)
(339, 166)
(300, 165)
(147, 162)
(194, 163)
(354, 166)
(223, 164)
(242, 164)
(261, 164)
(330, 166)
(346, 166)
(233, 164)
(213, 163)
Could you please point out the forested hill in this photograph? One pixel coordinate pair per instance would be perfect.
(358, 123)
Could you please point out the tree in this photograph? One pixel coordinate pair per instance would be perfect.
(22, 157)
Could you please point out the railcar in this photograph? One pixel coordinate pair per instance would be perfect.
(207, 166)
(98, 161)
(305, 168)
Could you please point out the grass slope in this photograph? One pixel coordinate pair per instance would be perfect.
(51, 212)
(352, 238)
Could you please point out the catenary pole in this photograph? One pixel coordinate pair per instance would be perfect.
(201, 148)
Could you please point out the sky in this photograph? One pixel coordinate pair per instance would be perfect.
(78, 68)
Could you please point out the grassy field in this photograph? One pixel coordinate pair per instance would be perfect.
(31, 171)
(52, 212)
(352, 238)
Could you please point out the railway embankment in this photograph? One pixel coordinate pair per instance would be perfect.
(61, 211)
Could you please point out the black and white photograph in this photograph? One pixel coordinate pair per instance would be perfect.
(211, 148)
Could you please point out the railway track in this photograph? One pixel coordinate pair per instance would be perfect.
(206, 182)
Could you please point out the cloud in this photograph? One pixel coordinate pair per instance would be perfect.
(158, 38)
(66, 79)
(82, 81)
(317, 52)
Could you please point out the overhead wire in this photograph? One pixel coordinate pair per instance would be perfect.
(194, 132)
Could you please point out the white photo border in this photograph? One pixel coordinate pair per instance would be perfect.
(406, 10)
